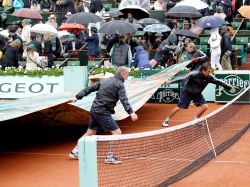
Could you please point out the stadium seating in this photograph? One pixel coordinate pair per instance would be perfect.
(235, 25)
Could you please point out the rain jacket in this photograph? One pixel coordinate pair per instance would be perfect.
(141, 58)
(197, 82)
(109, 92)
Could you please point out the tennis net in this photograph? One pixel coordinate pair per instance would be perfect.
(162, 157)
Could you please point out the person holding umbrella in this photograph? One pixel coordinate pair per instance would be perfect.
(93, 44)
(130, 18)
(215, 47)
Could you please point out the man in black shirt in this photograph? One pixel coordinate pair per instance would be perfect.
(192, 91)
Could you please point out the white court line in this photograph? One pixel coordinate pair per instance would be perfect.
(43, 154)
(232, 161)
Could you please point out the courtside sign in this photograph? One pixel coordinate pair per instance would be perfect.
(241, 79)
(19, 87)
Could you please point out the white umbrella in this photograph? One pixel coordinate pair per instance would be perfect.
(198, 4)
(63, 33)
(4, 33)
(43, 28)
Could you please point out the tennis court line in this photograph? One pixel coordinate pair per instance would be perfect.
(42, 154)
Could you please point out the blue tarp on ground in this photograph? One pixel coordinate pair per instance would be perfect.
(138, 90)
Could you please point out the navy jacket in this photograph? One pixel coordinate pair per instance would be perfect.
(109, 92)
(196, 82)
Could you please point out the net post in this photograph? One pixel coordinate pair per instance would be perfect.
(88, 161)
(210, 137)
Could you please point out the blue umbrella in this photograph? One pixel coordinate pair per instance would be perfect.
(158, 28)
(210, 21)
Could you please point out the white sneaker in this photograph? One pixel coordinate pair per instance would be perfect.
(111, 159)
(165, 123)
(73, 156)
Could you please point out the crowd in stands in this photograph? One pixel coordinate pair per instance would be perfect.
(129, 50)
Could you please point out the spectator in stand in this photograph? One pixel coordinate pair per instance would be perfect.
(73, 44)
(18, 4)
(3, 43)
(186, 25)
(67, 6)
(130, 41)
(19, 31)
(47, 49)
(120, 53)
(10, 56)
(160, 5)
(95, 6)
(157, 41)
(197, 56)
(141, 59)
(226, 6)
(32, 57)
(215, 48)
(226, 48)
(36, 43)
(26, 23)
(165, 52)
(93, 44)
(130, 18)
(52, 21)
(219, 12)
(45, 5)
(82, 6)
(67, 16)
(13, 36)
(35, 6)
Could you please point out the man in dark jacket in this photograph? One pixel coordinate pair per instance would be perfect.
(109, 92)
(192, 91)
(226, 48)
(67, 6)
(95, 6)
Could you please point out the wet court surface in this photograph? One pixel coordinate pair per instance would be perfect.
(36, 155)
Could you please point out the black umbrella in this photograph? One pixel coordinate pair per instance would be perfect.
(184, 11)
(83, 18)
(117, 27)
(186, 33)
(148, 21)
(135, 10)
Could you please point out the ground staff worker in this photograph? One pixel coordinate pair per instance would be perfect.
(109, 92)
(192, 91)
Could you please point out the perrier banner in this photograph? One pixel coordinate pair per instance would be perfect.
(241, 79)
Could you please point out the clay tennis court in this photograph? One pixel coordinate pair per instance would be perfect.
(34, 154)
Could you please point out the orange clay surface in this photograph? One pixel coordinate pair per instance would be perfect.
(35, 155)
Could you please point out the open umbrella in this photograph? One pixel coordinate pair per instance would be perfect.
(113, 13)
(184, 11)
(137, 11)
(70, 26)
(186, 33)
(27, 13)
(43, 28)
(245, 11)
(84, 18)
(158, 28)
(117, 27)
(198, 4)
(210, 21)
(148, 21)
